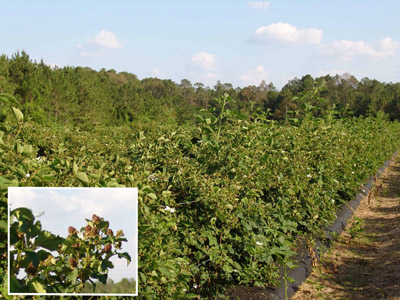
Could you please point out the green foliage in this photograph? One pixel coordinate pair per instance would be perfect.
(85, 97)
(82, 257)
(221, 204)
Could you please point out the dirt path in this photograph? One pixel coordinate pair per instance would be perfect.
(364, 263)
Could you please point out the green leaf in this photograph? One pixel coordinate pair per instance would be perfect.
(9, 99)
(212, 240)
(152, 196)
(39, 287)
(82, 177)
(164, 271)
(3, 225)
(49, 241)
(33, 257)
(105, 264)
(71, 277)
(103, 278)
(27, 149)
(126, 256)
(23, 212)
(74, 168)
(19, 148)
(18, 114)
(5, 183)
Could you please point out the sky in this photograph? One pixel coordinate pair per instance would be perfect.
(64, 207)
(238, 42)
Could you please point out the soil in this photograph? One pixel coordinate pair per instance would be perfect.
(364, 262)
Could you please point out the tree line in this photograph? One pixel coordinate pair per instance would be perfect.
(79, 95)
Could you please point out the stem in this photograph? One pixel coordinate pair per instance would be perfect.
(87, 256)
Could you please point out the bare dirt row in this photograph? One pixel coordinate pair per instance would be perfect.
(364, 262)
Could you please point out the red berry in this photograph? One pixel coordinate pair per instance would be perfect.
(107, 248)
(95, 218)
(71, 230)
(95, 231)
(73, 262)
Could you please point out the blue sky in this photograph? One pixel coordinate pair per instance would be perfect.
(240, 42)
(64, 207)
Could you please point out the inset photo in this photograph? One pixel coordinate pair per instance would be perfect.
(70, 241)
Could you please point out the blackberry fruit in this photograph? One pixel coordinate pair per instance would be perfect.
(96, 219)
(107, 248)
(73, 262)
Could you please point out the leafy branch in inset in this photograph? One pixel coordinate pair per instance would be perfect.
(83, 256)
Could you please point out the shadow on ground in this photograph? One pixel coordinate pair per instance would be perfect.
(368, 265)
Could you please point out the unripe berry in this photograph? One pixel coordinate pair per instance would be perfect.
(95, 231)
(107, 248)
(73, 262)
(71, 230)
(95, 218)
(30, 270)
(88, 228)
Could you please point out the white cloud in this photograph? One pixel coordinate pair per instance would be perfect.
(254, 76)
(157, 73)
(211, 75)
(204, 61)
(258, 4)
(52, 65)
(91, 54)
(105, 39)
(100, 45)
(284, 32)
(347, 50)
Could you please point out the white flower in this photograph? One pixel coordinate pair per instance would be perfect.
(195, 286)
(235, 270)
(259, 243)
(244, 176)
(27, 175)
(309, 175)
(333, 201)
(152, 177)
(352, 172)
(283, 151)
(170, 209)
